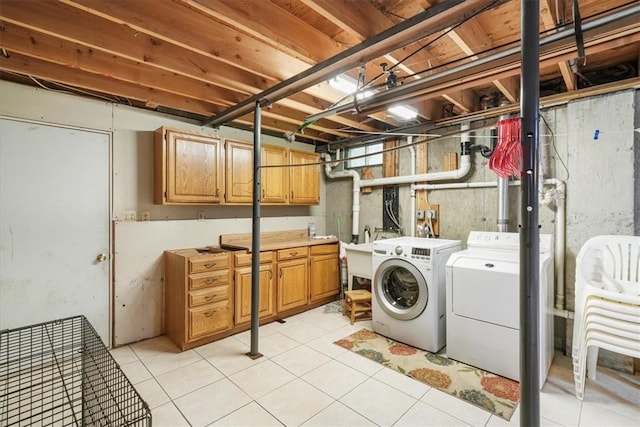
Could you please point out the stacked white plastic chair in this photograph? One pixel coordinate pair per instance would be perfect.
(607, 303)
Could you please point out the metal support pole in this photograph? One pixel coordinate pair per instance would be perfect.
(255, 237)
(529, 232)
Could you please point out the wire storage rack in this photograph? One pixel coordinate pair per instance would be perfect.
(60, 373)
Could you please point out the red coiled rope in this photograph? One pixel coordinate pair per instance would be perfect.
(506, 159)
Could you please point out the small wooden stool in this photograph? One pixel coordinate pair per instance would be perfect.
(355, 303)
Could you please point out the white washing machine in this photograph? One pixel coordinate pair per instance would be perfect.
(483, 304)
(408, 302)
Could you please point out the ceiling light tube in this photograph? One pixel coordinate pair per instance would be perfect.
(349, 86)
(403, 112)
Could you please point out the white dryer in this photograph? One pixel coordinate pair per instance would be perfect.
(483, 304)
(408, 302)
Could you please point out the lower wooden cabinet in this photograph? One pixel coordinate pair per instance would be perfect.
(208, 292)
(323, 272)
(293, 278)
(198, 296)
(243, 280)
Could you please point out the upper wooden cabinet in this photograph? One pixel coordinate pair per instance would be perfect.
(188, 168)
(193, 168)
(239, 160)
(304, 181)
(274, 182)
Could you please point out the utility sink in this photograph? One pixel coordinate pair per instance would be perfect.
(359, 261)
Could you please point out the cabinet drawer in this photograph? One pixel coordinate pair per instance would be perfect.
(324, 249)
(243, 260)
(208, 295)
(207, 280)
(209, 319)
(292, 253)
(208, 263)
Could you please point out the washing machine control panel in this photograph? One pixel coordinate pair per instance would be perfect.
(415, 253)
(421, 252)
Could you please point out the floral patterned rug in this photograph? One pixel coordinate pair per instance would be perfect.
(493, 393)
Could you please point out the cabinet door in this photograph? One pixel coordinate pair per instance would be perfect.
(193, 169)
(323, 276)
(293, 284)
(239, 182)
(274, 181)
(243, 293)
(304, 181)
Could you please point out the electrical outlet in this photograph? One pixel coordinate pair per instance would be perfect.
(145, 216)
(129, 215)
(200, 215)
(419, 214)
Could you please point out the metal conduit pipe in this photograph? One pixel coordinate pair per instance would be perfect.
(348, 173)
(557, 194)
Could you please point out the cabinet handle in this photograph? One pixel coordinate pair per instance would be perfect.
(291, 194)
(293, 253)
(210, 297)
(209, 281)
(279, 272)
(263, 193)
(270, 275)
(209, 313)
(210, 265)
(217, 192)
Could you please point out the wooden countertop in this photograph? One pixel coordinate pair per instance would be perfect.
(274, 240)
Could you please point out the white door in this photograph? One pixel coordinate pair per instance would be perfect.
(54, 225)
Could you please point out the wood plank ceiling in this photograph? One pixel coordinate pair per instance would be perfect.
(201, 57)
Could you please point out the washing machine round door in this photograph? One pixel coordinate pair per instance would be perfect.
(401, 290)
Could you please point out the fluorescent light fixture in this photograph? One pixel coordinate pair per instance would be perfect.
(348, 85)
(403, 112)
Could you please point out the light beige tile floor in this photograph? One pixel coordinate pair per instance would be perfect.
(305, 379)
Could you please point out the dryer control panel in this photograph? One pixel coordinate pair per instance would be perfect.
(504, 241)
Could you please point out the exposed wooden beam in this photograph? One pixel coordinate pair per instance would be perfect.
(471, 38)
(126, 46)
(270, 60)
(156, 18)
(548, 19)
(466, 100)
(271, 25)
(400, 35)
(507, 66)
(60, 20)
(363, 20)
(100, 83)
(16, 39)
(510, 88)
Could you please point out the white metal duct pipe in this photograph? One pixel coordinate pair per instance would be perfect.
(465, 167)
(557, 194)
(355, 207)
(412, 165)
(502, 218)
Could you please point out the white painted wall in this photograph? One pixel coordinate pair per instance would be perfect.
(137, 247)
